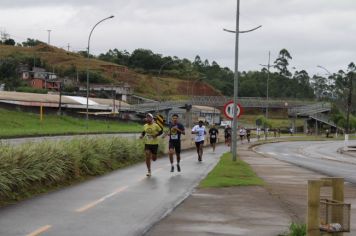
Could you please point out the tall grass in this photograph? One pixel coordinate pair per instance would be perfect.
(36, 167)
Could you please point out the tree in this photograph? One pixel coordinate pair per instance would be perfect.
(281, 63)
(344, 88)
(31, 42)
(10, 42)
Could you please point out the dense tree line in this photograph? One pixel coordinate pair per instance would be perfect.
(251, 84)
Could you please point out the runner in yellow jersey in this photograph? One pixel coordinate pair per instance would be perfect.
(150, 133)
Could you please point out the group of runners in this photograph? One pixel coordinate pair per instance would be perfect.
(151, 132)
(243, 133)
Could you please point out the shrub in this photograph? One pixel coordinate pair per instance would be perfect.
(34, 167)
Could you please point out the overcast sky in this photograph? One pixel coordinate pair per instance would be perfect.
(315, 32)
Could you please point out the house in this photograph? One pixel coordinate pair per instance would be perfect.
(41, 79)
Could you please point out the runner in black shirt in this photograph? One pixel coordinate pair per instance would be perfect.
(227, 134)
(213, 133)
(175, 131)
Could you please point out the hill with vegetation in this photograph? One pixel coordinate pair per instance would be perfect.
(169, 77)
(74, 66)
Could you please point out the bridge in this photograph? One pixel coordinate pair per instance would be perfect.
(220, 101)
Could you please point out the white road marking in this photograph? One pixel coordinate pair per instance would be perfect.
(40, 230)
(94, 203)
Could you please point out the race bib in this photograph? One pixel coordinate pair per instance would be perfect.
(174, 136)
(213, 136)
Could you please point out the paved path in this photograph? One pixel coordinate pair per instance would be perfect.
(124, 202)
(257, 211)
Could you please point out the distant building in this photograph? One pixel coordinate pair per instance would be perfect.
(41, 79)
(121, 91)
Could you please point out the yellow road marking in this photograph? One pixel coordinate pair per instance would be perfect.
(40, 230)
(92, 204)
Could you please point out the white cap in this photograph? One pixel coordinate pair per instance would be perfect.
(150, 115)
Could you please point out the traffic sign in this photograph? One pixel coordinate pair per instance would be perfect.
(229, 110)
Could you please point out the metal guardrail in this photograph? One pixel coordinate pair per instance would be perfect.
(323, 118)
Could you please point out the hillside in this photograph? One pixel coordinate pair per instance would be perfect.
(67, 63)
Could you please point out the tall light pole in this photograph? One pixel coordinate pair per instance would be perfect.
(267, 104)
(236, 78)
(87, 113)
(268, 71)
(49, 37)
(159, 74)
(322, 67)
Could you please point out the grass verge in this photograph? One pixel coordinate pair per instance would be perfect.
(21, 124)
(229, 173)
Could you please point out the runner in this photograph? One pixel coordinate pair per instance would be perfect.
(248, 135)
(175, 131)
(227, 134)
(150, 132)
(213, 132)
(199, 131)
(242, 133)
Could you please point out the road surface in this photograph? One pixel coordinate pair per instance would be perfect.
(318, 156)
(124, 202)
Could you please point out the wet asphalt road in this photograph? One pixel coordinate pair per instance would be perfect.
(317, 156)
(124, 202)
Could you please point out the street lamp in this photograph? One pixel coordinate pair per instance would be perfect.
(268, 66)
(194, 82)
(267, 104)
(87, 114)
(159, 74)
(236, 77)
(190, 113)
(322, 67)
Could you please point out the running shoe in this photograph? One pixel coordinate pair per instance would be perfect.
(199, 158)
(172, 168)
(148, 174)
(178, 167)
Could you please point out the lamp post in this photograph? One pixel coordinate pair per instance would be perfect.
(267, 104)
(159, 74)
(87, 113)
(322, 67)
(190, 122)
(236, 78)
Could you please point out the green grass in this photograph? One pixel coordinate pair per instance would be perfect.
(18, 124)
(228, 173)
(296, 229)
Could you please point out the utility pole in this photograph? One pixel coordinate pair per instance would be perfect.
(236, 78)
(60, 99)
(267, 104)
(68, 46)
(349, 103)
(49, 37)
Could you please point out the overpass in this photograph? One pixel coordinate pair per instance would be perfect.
(220, 101)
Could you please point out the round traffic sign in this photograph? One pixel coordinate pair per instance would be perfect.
(229, 110)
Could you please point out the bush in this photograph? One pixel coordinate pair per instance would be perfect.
(296, 230)
(36, 167)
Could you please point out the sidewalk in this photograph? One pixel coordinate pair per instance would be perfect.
(253, 211)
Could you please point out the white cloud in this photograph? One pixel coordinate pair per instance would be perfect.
(314, 32)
